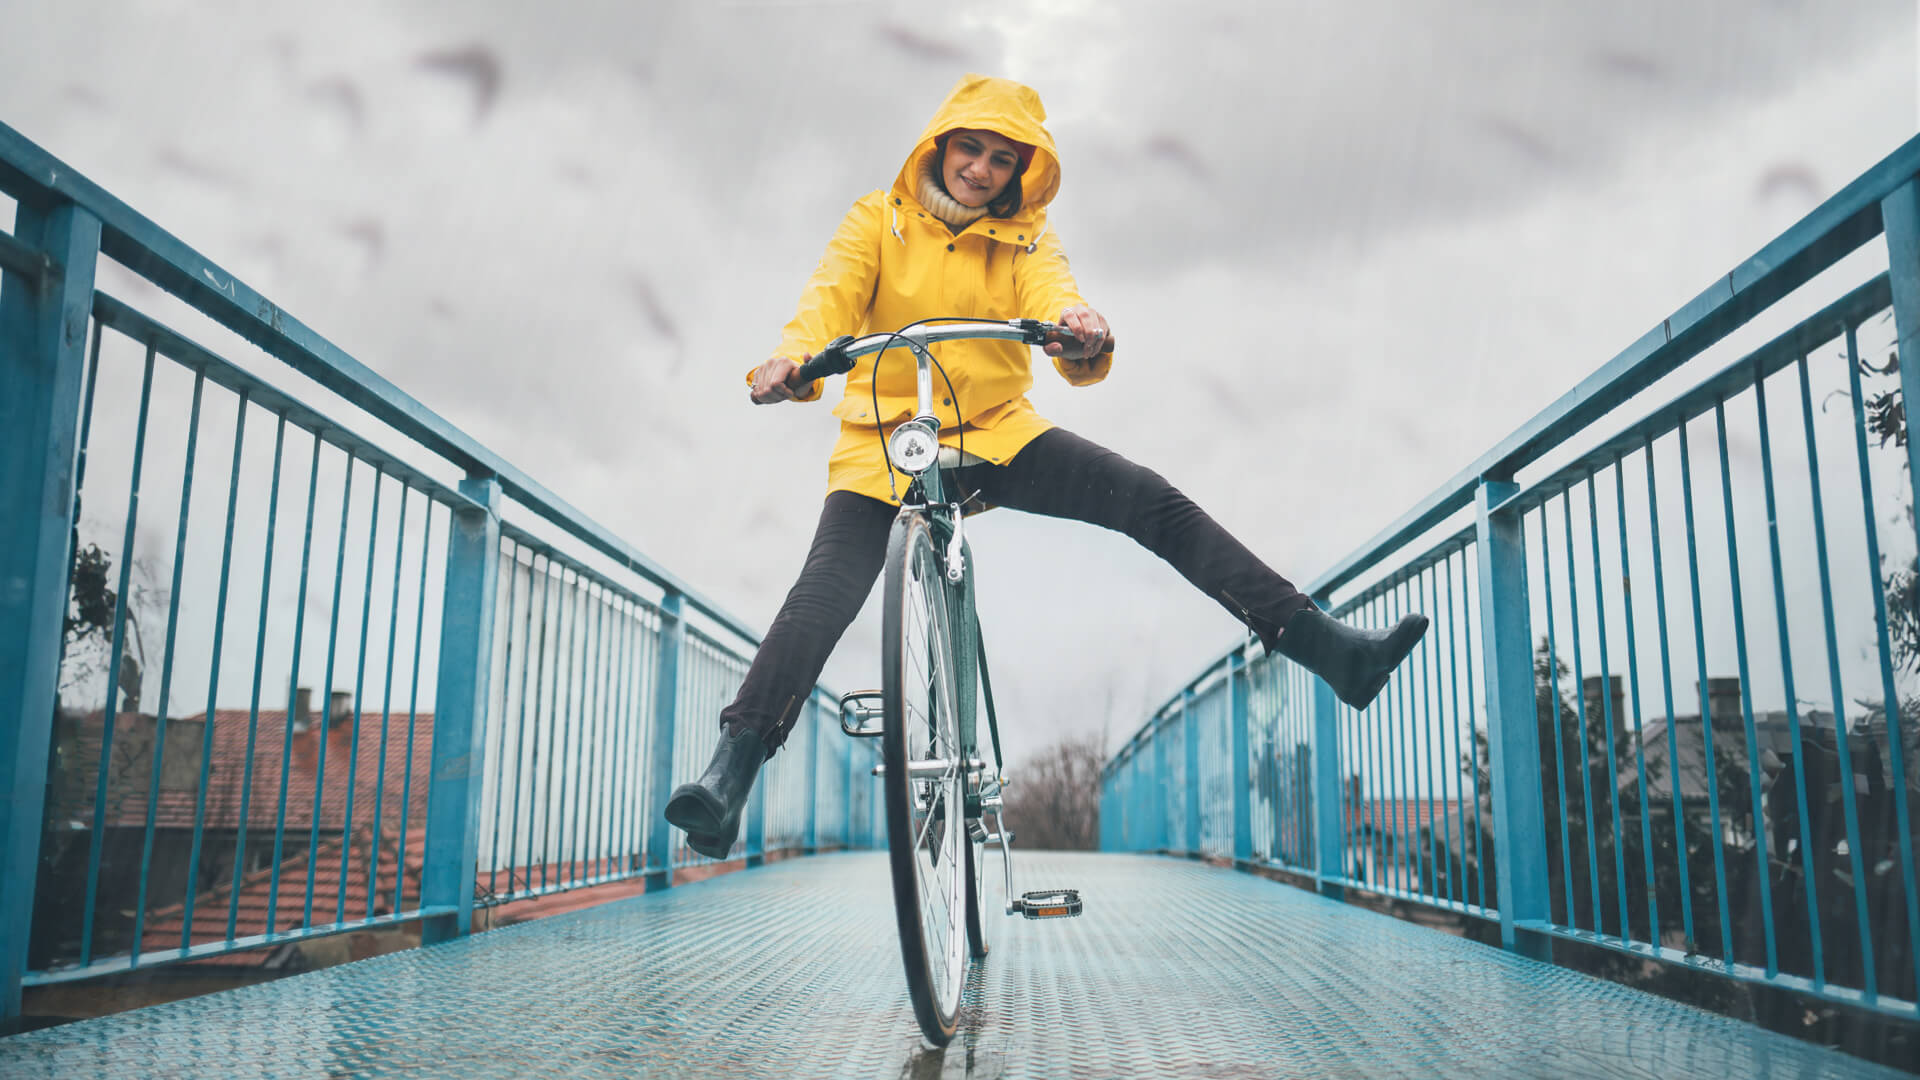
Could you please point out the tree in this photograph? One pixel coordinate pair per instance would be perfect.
(1053, 798)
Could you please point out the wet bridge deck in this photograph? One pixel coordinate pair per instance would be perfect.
(1176, 969)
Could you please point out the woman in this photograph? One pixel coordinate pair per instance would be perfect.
(963, 232)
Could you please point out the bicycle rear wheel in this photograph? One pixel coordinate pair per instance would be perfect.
(977, 898)
(927, 843)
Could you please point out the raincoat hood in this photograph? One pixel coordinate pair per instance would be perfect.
(1007, 108)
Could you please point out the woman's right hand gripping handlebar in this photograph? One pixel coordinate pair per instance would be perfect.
(775, 381)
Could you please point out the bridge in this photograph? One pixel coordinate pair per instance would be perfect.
(1641, 804)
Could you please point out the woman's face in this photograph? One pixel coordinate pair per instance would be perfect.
(978, 166)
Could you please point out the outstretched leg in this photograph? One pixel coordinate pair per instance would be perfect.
(1060, 474)
(848, 548)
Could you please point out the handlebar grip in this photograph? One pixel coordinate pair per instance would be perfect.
(830, 360)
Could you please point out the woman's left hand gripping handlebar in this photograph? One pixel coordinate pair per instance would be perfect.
(1091, 334)
(772, 381)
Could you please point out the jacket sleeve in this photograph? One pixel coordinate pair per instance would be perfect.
(840, 291)
(1044, 284)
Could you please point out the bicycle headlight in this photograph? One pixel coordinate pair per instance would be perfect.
(913, 447)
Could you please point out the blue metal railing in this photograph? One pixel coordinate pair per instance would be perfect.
(1668, 706)
(506, 691)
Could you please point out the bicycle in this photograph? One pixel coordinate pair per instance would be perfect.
(935, 785)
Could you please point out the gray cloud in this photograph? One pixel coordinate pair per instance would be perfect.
(1347, 246)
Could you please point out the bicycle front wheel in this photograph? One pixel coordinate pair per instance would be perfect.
(924, 778)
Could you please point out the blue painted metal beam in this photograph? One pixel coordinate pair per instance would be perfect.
(1513, 733)
(460, 712)
(43, 329)
(1241, 748)
(666, 714)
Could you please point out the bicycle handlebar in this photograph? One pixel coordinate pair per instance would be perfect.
(838, 355)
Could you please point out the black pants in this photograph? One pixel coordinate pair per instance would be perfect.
(1058, 474)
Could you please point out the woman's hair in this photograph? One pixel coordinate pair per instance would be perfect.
(1010, 199)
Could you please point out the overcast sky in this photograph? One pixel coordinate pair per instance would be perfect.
(1347, 246)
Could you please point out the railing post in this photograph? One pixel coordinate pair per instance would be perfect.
(460, 712)
(666, 716)
(1242, 769)
(847, 767)
(1162, 780)
(1513, 733)
(1329, 788)
(757, 821)
(1900, 219)
(811, 842)
(1190, 734)
(43, 331)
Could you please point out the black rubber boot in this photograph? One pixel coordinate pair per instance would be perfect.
(1356, 663)
(709, 808)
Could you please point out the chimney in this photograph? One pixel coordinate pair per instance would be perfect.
(1616, 691)
(340, 708)
(1723, 702)
(303, 708)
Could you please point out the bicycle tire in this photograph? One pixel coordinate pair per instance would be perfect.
(976, 899)
(925, 816)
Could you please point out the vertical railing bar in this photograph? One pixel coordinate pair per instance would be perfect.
(1633, 688)
(638, 742)
(1843, 752)
(1762, 875)
(1553, 680)
(359, 708)
(1673, 720)
(1580, 713)
(622, 778)
(1463, 747)
(115, 654)
(1786, 674)
(539, 783)
(573, 770)
(1419, 746)
(293, 684)
(1606, 704)
(213, 675)
(259, 666)
(166, 667)
(413, 707)
(612, 769)
(1408, 865)
(556, 732)
(1706, 718)
(1891, 700)
(326, 690)
(386, 697)
(521, 736)
(1369, 720)
(506, 702)
(592, 746)
(80, 461)
(562, 763)
(1479, 830)
(1442, 763)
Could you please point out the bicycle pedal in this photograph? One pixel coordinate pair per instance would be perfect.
(1050, 904)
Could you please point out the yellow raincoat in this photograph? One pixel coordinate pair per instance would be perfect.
(892, 262)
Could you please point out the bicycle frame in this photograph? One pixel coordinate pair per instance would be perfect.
(927, 495)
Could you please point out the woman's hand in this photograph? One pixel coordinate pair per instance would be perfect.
(773, 380)
(1090, 332)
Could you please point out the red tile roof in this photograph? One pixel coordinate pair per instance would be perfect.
(131, 768)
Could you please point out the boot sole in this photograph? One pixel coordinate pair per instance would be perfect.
(710, 846)
(695, 810)
(1415, 631)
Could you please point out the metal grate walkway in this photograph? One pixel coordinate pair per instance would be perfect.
(1176, 969)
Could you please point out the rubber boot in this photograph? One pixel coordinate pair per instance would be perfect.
(709, 808)
(1355, 663)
